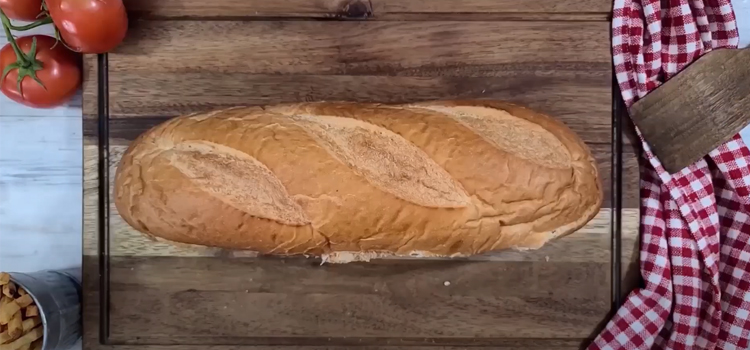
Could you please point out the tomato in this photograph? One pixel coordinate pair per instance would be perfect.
(90, 26)
(24, 10)
(59, 71)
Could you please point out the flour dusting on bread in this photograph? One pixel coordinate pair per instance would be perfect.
(237, 179)
(511, 134)
(386, 160)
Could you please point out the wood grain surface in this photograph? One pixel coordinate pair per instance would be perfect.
(184, 56)
(698, 110)
(569, 10)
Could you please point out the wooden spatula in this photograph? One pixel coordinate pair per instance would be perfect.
(698, 109)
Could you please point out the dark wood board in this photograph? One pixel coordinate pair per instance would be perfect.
(184, 56)
(465, 10)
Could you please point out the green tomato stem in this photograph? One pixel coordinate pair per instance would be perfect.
(41, 22)
(20, 57)
(26, 64)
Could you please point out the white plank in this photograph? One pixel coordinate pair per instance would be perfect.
(41, 151)
(40, 192)
(742, 13)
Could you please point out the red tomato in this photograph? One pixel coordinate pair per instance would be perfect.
(60, 73)
(24, 10)
(90, 26)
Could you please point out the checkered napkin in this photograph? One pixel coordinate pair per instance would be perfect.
(695, 239)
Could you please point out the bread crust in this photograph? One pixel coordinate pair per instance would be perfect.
(351, 181)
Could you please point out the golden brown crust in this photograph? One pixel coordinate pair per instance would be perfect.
(438, 179)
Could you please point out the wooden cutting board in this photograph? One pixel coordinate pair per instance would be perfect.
(184, 56)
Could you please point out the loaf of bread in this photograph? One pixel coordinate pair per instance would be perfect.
(353, 181)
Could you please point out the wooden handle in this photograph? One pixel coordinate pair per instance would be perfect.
(699, 109)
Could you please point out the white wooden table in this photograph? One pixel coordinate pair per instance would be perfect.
(41, 173)
(40, 185)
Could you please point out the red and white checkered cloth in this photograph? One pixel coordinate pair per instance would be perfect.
(695, 239)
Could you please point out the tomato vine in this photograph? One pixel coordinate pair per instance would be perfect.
(26, 64)
(34, 70)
